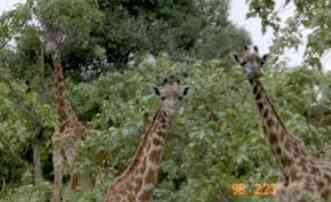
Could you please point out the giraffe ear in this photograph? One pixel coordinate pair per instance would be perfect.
(256, 49)
(157, 91)
(236, 57)
(165, 81)
(264, 59)
(186, 90)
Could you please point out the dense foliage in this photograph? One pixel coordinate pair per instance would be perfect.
(217, 137)
(115, 53)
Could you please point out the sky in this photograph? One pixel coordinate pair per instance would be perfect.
(8, 4)
(238, 11)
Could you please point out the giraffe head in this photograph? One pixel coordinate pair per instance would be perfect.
(171, 93)
(251, 61)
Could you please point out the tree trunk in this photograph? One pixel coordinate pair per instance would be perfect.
(38, 176)
(86, 182)
(58, 170)
(73, 183)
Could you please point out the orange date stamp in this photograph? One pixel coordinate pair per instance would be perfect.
(259, 189)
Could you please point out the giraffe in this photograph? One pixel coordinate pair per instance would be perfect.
(301, 173)
(138, 180)
(69, 130)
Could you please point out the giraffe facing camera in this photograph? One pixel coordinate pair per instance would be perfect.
(136, 183)
(301, 173)
(171, 94)
(250, 60)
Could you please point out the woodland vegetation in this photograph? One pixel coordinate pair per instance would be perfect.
(115, 52)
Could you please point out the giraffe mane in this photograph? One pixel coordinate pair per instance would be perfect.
(271, 105)
(135, 161)
(60, 97)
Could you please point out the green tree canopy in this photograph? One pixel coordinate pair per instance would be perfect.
(312, 15)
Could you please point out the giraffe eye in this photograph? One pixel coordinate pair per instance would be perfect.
(163, 98)
(243, 63)
(180, 97)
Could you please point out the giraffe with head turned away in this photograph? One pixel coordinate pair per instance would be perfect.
(301, 173)
(138, 180)
(69, 130)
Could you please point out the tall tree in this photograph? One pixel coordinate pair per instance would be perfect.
(179, 28)
(311, 15)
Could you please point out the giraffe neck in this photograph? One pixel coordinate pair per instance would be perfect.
(285, 147)
(59, 96)
(140, 177)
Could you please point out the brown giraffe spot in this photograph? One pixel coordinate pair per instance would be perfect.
(131, 196)
(296, 150)
(113, 197)
(289, 146)
(328, 178)
(310, 162)
(122, 192)
(302, 161)
(139, 182)
(266, 113)
(255, 89)
(155, 156)
(157, 142)
(163, 120)
(150, 177)
(160, 133)
(278, 150)
(309, 185)
(326, 193)
(315, 171)
(286, 161)
(285, 179)
(130, 186)
(320, 184)
(273, 138)
(260, 106)
(304, 168)
(139, 170)
(295, 192)
(258, 96)
(328, 169)
(293, 173)
(163, 114)
(164, 126)
(145, 196)
(270, 122)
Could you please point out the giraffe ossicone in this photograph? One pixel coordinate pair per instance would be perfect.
(137, 181)
(301, 173)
